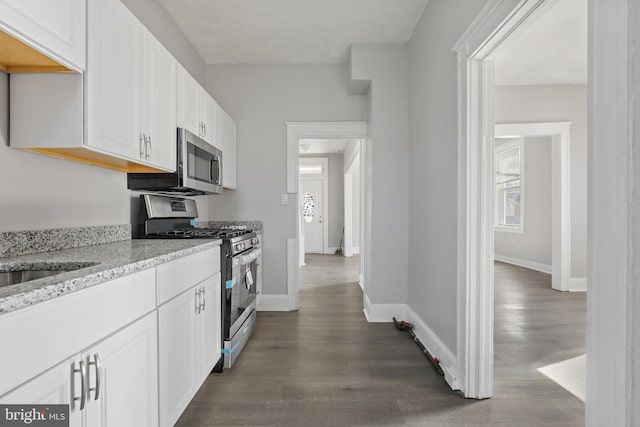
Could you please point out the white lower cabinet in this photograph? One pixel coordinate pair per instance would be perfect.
(189, 345)
(131, 352)
(123, 384)
(114, 383)
(55, 386)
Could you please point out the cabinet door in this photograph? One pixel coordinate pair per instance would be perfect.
(209, 327)
(189, 93)
(159, 103)
(227, 132)
(125, 377)
(210, 118)
(113, 88)
(177, 329)
(58, 385)
(55, 27)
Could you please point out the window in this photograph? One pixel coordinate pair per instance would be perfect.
(509, 165)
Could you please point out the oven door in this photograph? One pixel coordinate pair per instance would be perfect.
(200, 163)
(241, 289)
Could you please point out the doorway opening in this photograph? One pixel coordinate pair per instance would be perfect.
(329, 206)
(320, 159)
(477, 51)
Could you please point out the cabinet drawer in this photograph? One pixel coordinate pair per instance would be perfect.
(181, 274)
(39, 337)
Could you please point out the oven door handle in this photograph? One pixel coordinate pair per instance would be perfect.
(249, 257)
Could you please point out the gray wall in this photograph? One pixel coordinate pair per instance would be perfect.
(43, 192)
(433, 158)
(535, 243)
(261, 98)
(156, 18)
(555, 103)
(387, 169)
(351, 150)
(355, 209)
(335, 197)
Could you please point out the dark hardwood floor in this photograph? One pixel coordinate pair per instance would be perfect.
(326, 366)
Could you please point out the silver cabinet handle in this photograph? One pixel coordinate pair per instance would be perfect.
(204, 125)
(201, 129)
(198, 301)
(96, 364)
(143, 144)
(204, 298)
(147, 147)
(83, 385)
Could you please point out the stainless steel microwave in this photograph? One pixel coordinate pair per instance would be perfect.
(198, 170)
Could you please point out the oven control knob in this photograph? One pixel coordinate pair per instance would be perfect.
(240, 246)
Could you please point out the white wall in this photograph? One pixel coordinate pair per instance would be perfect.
(534, 244)
(335, 196)
(387, 157)
(40, 192)
(557, 103)
(261, 98)
(433, 159)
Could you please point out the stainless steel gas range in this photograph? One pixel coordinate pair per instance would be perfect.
(165, 217)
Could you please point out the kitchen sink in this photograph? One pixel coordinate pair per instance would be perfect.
(8, 278)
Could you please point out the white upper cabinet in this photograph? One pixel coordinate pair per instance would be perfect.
(227, 138)
(55, 28)
(159, 102)
(210, 118)
(197, 110)
(131, 88)
(189, 103)
(113, 83)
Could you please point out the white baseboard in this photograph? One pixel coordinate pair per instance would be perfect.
(436, 348)
(578, 284)
(383, 313)
(356, 250)
(274, 303)
(331, 251)
(532, 265)
(361, 281)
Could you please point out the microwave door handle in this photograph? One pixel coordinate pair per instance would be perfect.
(214, 179)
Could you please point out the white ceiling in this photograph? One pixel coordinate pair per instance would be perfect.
(291, 31)
(323, 146)
(551, 48)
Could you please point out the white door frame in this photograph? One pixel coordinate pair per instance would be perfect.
(349, 164)
(495, 22)
(613, 192)
(560, 133)
(318, 130)
(324, 161)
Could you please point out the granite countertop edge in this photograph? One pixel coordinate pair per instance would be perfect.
(122, 258)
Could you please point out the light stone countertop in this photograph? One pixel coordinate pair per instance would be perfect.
(113, 260)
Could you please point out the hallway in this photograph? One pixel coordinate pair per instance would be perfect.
(324, 365)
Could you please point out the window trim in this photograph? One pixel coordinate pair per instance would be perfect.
(519, 142)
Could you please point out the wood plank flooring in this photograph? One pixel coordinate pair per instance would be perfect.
(326, 366)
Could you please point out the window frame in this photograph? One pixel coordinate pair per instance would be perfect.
(499, 149)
